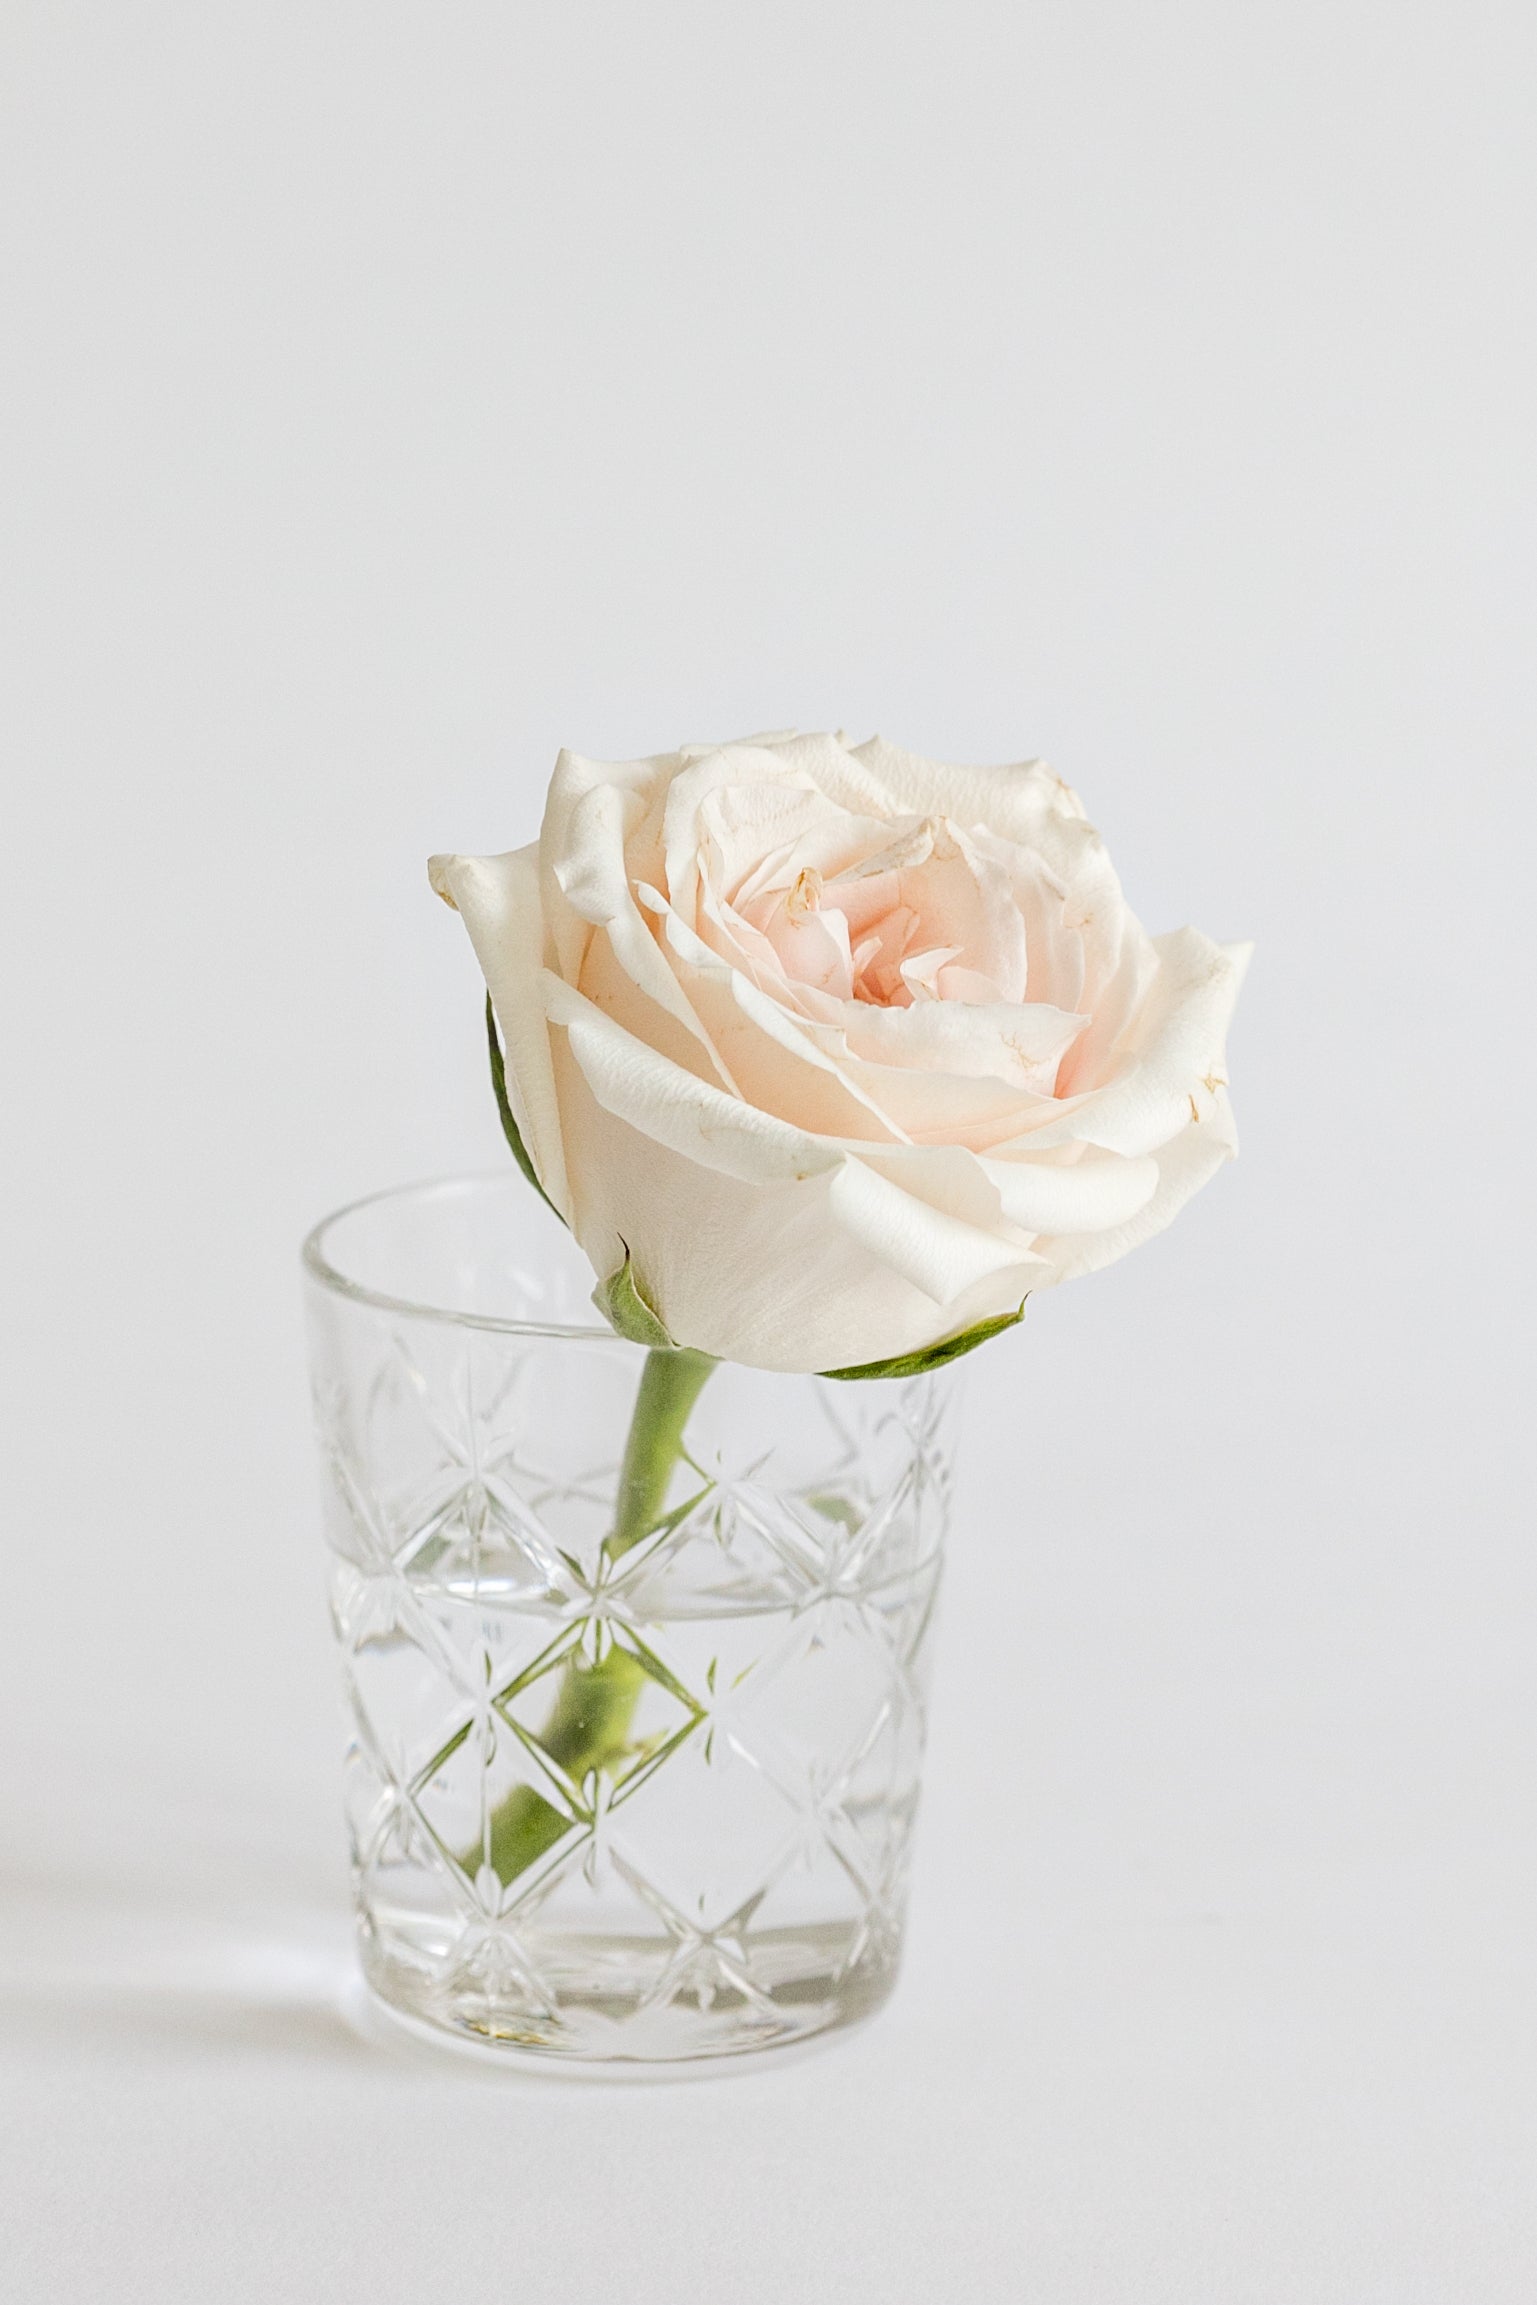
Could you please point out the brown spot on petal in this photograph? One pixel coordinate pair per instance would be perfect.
(1195, 1110)
(806, 896)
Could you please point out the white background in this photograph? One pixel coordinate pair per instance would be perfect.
(393, 393)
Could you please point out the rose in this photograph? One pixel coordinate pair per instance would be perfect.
(828, 1054)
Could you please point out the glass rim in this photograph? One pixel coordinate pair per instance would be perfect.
(317, 1264)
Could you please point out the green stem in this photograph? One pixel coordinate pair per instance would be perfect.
(589, 1727)
(670, 1384)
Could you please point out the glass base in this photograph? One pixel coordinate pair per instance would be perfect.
(605, 2032)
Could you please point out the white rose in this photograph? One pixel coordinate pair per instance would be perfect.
(849, 1050)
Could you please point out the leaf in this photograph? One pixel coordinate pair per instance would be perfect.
(620, 1302)
(933, 1356)
(510, 1128)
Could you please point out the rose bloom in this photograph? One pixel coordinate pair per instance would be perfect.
(849, 1050)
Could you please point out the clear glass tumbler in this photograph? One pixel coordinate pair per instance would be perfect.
(632, 1767)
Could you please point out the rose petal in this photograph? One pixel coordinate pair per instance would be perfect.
(771, 1054)
(755, 1272)
(593, 877)
(574, 778)
(1186, 1163)
(498, 899)
(1089, 1196)
(1023, 802)
(938, 1253)
(674, 1107)
(1178, 1045)
(1019, 1042)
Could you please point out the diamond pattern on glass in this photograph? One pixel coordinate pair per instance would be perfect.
(657, 1804)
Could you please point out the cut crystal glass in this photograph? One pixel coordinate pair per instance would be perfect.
(613, 1806)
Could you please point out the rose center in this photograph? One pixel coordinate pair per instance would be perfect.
(924, 916)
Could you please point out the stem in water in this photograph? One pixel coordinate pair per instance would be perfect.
(589, 1727)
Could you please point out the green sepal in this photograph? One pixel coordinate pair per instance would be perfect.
(510, 1128)
(626, 1311)
(933, 1356)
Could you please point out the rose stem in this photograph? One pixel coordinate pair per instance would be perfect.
(590, 1724)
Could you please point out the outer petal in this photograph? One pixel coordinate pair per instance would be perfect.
(622, 966)
(763, 1271)
(840, 771)
(1176, 1052)
(935, 1251)
(498, 899)
(756, 768)
(1184, 1165)
(675, 1108)
(1025, 802)
(642, 782)
(1090, 1196)
(690, 1156)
